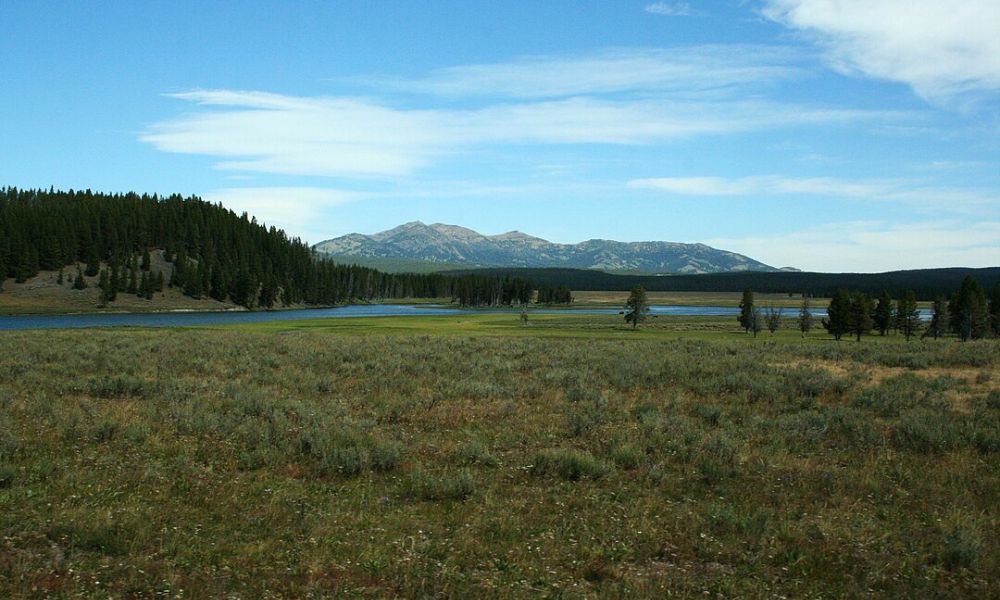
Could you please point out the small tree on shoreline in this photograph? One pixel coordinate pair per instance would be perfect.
(939, 319)
(746, 317)
(882, 316)
(636, 306)
(805, 317)
(861, 314)
(837, 321)
(772, 317)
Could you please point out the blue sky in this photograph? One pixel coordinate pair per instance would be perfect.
(830, 135)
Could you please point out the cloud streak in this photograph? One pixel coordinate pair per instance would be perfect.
(692, 71)
(946, 51)
(928, 198)
(355, 137)
(669, 9)
(875, 246)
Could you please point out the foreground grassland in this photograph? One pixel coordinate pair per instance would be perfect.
(476, 458)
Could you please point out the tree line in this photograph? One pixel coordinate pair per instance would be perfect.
(969, 313)
(554, 294)
(212, 252)
(927, 284)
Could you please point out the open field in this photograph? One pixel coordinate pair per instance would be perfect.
(566, 324)
(474, 457)
(695, 299)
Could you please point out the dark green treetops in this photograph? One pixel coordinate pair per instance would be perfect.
(838, 319)
(636, 306)
(882, 316)
(907, 315)
(968, 311)
(746, 317)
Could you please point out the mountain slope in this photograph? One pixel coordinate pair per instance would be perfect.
(459, 245)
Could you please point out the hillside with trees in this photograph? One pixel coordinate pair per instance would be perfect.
(212, 252)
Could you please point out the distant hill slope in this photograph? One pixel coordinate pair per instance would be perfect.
(398, 265)
(451, 244)
(927, 283)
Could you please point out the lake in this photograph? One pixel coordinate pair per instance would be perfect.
(190, 319)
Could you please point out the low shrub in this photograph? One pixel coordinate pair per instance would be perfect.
(568, 464)
(118, 386)
(628, 456)
(961, 549)
(475, 454)
(423, 485)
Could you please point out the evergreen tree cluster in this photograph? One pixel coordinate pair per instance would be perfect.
(970, 314)
(128, 278)
(476, 290)
(214, 252)
(554, 294)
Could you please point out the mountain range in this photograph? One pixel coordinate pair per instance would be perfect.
(454, 245)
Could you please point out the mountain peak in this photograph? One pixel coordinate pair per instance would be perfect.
(516, 236)
(456, 232)
(453, 244)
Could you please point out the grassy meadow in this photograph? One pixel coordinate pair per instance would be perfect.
(790, 303)
(475, 457)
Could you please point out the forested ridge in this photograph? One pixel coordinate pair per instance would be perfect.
(214, 252)
(927, 284)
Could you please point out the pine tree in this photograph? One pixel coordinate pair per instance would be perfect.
(104, 284)
(882, 316)
(116, 282)
(860, 314)
(969, 316)
(142, 289)
(93, 260)
(133, 283)
(193, 279)
(79, 283)
(24, 268)
(145, 260)
(838, 314)
(756, 321)
(59, 278)
(939, 319)
(772, 317)
(907, 314)
(805, 317)
(148, 285)
(994, 309)
(746, 317)
(636, 306)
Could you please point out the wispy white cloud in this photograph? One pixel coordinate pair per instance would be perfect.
(947, 51)
(339, 136)
(670, 9)
(908, 192)
(302, 136)
(688, 70)
(299, 210)
(875, 246)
